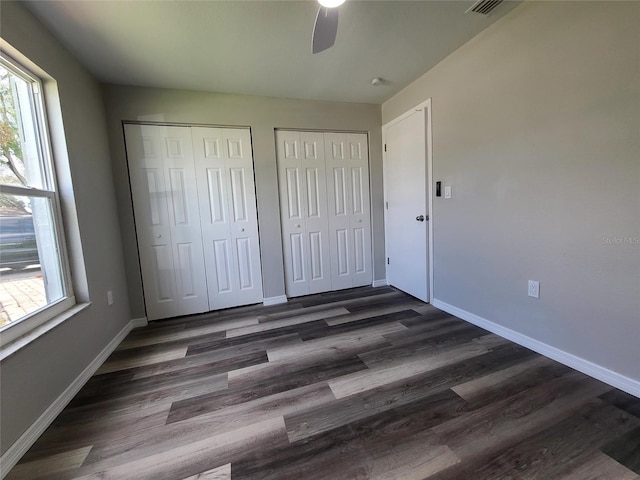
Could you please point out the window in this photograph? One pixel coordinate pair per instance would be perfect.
(34, 278)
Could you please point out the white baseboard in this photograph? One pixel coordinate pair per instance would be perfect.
(139, 322)
(29, 437)
(594, 370)
(275, 300)
(379, 283)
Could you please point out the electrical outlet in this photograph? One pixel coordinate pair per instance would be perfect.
(447, 191)
(109, 297)
(534, 289)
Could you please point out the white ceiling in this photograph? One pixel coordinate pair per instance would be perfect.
(262, 47)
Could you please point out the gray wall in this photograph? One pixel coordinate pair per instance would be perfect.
(536, 125)
(263, 115)
(36, 375)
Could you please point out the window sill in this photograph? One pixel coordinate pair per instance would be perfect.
(21, 342)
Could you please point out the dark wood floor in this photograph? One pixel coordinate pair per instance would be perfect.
(359, 384)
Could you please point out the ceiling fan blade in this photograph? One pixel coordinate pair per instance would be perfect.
(325, 29)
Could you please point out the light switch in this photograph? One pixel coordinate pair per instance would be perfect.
(447, 191)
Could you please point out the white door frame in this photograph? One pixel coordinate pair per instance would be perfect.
(424, 107)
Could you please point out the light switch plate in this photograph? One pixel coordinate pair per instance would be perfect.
(447, 191)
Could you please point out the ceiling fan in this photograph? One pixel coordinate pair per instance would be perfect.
(326, 26)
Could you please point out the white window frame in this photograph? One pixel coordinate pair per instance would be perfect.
(54, 310)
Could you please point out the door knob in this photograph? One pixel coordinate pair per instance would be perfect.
(420, 218)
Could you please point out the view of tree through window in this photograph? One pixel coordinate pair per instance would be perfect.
(31, 274)
(11, 164)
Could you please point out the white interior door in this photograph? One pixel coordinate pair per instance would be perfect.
(325, 210)
(303, 211)
(347, 160)
(224, 171)
(406, 184)
(165, 201)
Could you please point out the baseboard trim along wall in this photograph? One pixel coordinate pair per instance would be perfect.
(139, 322)
(274, 300)
(380, 283)
(588, 368)
(29, 437)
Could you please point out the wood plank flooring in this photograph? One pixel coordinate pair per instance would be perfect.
(367, 383)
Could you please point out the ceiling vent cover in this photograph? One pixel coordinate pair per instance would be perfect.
(484, 7)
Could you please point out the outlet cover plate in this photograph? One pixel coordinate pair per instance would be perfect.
(534, 289)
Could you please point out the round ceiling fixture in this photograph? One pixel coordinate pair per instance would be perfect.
(330, 3)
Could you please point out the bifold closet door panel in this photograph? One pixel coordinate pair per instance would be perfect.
(347, 163)
(151, 213)
(303, 211)
(360, 217)
(292, 190)
(164, 191)
(227, 200)
(316, 220)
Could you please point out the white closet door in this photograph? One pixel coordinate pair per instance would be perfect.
(325, 212)
(165, 201)
(316, 220)
(303, 210)
(349, 209)
(360, 213)
(224, 171)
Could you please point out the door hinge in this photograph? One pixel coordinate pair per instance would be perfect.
(387, 260)
(385, 147)
(386, 204)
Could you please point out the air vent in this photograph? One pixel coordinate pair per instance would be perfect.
(484, 7)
